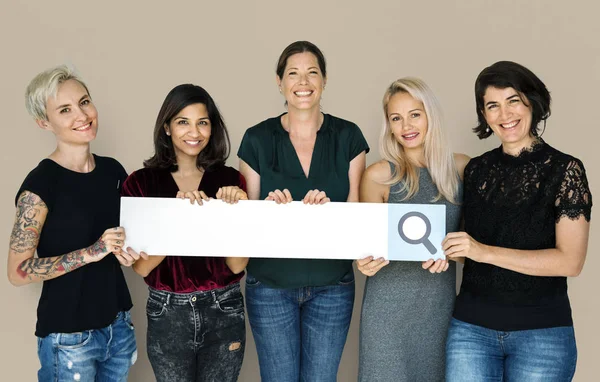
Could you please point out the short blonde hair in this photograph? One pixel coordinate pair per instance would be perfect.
(438, 156)
(44, 86)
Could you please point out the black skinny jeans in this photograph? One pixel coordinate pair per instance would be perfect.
(196, 337)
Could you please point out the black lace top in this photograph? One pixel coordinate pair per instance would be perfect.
(515, 202)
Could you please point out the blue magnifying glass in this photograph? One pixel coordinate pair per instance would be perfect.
(410, 229)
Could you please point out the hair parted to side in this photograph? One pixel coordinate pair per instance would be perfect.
(45, 85)
(508, 74)
(438, 156)
(300, 47)
(217, 150)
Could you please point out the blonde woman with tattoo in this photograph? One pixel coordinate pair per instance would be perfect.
(68, 211)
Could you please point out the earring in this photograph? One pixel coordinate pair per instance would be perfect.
(169, 134)
(487, 129)
(280, 89)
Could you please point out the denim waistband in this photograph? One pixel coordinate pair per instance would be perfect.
(206, 296)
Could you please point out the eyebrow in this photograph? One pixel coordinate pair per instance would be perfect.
(507, 98)
(200, 119)
(410, 111)
(68, 104)
(294, 68)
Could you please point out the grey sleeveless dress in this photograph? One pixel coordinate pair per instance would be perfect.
(406, 310)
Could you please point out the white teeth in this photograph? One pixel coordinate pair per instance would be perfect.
(410, 135)
(510, 125)
(303, 94)
(83, 127)
(193, 143)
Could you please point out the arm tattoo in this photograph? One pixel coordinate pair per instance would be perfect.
(46, 267)
(97, 248)
(26, 231)
(25, 237)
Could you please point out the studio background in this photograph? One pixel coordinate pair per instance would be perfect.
(131, 53)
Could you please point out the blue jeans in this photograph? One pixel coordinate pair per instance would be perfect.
(93, 355)
(300, 332)
(474, 353)
(199, 336)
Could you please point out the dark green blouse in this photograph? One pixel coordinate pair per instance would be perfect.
(267, 148)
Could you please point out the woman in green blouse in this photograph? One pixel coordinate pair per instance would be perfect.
(300, 310)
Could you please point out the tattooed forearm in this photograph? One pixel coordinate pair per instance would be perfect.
(26, 231)
(50, 267)
(97, 248)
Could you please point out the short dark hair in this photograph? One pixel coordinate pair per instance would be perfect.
(508, 74)
(300, 47)
(218, 148)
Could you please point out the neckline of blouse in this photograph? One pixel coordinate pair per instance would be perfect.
(528, 154)
(323, 128)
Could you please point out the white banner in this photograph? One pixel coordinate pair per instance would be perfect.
(170, 226)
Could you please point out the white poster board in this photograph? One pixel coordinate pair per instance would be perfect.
(169, 226)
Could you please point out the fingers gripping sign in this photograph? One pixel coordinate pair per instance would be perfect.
(231, 194)
(370, 266)
(280, 197)
(315, 197)
(193, 196)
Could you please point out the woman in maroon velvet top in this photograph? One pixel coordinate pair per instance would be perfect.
(196, 328)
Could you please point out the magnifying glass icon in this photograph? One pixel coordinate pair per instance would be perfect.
(415, 228)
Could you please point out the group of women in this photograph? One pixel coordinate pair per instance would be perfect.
(525, 207)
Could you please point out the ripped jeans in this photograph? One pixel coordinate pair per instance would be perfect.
(101, 355)
(197, 336)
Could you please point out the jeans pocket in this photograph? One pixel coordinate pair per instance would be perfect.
(231, 305)
(154, 308)
(128, 320)
(251, 281)
(73, 340)
(347, 279)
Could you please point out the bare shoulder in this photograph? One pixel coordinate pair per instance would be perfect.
(378, 172)
(461, 160)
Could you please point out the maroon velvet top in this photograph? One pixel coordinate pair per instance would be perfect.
(185, 274)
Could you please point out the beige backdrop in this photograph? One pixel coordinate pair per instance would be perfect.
(131, 55)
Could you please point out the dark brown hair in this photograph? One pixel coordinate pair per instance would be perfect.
(217, 150)
(508, 74)
(300, 47)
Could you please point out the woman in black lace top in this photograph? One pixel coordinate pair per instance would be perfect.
(527, 208)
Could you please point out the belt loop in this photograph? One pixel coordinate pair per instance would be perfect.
(168, 298)
(214, 295)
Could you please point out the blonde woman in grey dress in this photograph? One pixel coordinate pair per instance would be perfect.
(407, 306)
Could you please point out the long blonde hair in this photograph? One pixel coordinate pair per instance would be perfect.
(438, 156)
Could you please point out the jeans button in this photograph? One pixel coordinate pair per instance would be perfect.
(194, 299)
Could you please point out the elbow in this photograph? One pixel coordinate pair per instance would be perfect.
(574, 267)
(575, 270)
(141, 271)
(16, 280)
(236, 265)
(237, 270)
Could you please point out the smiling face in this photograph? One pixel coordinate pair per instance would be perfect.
(302, 82)
(509, 116)
(407, 120)
(190, 130)
(71, 115)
